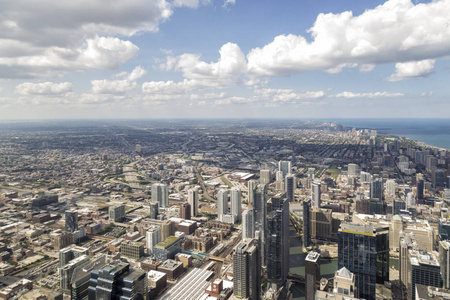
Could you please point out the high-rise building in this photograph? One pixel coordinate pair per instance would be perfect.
(290, 187)
(364, 251)
(71, 220)
(391, 186)
(117, 213)
(65, 273)
(306, 223)
(132, 249)
(364, 176)
(438, 177)
(69, 253)
(251, 191)
(193, 201)
(118, 280)
(343, 287)
(247, 270)
(222, 203)
(448, 182)
(353, 170)
(420, 188)
(236, 205)
(424, 269)
(185, 211)
(260, 214)
(264, 176)
(79, 282)
(376, 189)
(285, 167)
(248, 224)
(312, 274)
(154, 210)
(279, 176)
(278, 241)
(444, 261)
(160, 194)
(153, 237)
(315, 194)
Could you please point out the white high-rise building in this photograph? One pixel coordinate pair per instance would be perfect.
(365, 176)
(160, 194)
(391, 186)
(248, 224)
(264, 176)
(279, 176)
(285, 167)
(153, 237)
(353, 170)
(315, 194)
(411, 200)
(222, 203)
(193, 201)
(235, 199)
(289, 187)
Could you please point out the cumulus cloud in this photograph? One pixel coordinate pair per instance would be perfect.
(412, 69)
(46, 38)
(351, 95)
(228, 2)
(45, 88)
(287, 95)
(128, 82)
(396, 31)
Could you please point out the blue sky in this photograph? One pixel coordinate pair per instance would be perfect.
(224, 59)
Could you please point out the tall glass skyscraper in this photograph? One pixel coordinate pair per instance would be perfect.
(364, 251)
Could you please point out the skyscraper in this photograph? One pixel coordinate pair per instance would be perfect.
(278, 241)
(420, 188)
(312, 274)
(236, 205)
(364, 251)
(264, 176)
(353, 170)
(248, 224)
(285, 167)
(260, 214)
(306, 223)
(185, 211)
(438, 177)
(118, 280)
(153, 237)
(160, 194)
(376, 189)
(222, 203)
(444, 261)
(391, 186)
(251, 191)
(315, 194)
(424, 269)
(117, 213)
(193, 201)
(290, 187)
(279, 176)
(154, 210)
(71, 221)
(247, 270)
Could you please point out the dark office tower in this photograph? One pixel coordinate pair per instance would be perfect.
(438, 178)
(278, 242)
(185, 211)
(376, 189)
(364, 251)
(420, 188)
(154, 210)
(448, 182)
(71, 221)
(306, 223)
(289, 187)
(247, 270)
(425, 270)
(117, 281)
(260, 211)
(312, 274)
(315, 194)
(444, 261)
(398, 206)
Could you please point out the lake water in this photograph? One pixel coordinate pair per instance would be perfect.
(433, 132)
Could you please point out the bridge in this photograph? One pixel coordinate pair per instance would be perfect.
(295, 225)
(216, 258)
(296, 278)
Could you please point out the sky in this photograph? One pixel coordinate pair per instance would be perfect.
(103, 59)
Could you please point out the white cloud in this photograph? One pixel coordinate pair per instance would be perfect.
(190, 3)
(234, 100)
(118, 86)
(412, 69)
(351, 95)
(397, 31)
(228, 2)
(224, 72)
(45, 88)
(46, 38)
(287, 95)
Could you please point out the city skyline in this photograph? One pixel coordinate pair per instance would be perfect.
(224, 59)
